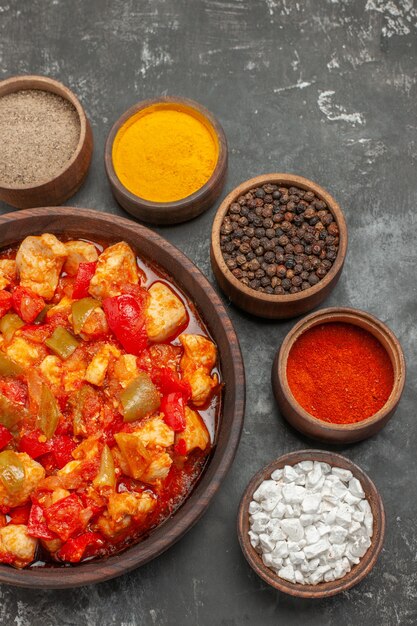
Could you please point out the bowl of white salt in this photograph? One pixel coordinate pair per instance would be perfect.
(46, 142)
(311, 524)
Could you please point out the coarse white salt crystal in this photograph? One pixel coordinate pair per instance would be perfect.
(355, 488)
(341, 473)
(276, 474)
(310, 522)
(287, 573)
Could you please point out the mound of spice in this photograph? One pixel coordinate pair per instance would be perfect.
(165, 153)
(310, 522)
(39, 133)
(279, 240)
(339, 373)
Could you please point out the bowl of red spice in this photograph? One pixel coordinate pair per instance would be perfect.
(278, 245)
(46, 142)
(339, 375)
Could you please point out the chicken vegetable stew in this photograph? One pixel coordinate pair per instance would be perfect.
(109, 395)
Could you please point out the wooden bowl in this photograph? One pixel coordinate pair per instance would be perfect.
(314, 427)
(77, 222)
(53, 191)
(321, 590)
(263, 304)
(179, 210)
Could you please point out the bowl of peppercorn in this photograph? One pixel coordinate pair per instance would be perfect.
(278, 245)
(339, 375)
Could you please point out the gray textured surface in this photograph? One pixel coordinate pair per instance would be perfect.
(322, 88)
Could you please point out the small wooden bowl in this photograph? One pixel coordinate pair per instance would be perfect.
(77, 222)
(275, 306)
(321, 590)
(314, 427)
(53, 191)
(179, 210)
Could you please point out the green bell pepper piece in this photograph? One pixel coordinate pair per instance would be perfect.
(8, 367)
(140, 398)
(12, 472)
(106, 476)
(49, 414)
(62, 342)
(9, 324)
(81, 309)
(11, 413)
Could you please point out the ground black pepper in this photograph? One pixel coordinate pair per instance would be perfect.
(279, 240)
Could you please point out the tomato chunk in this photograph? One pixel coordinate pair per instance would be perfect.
(84, 275)
(126, 319)
(32, 446)
(20, 514)
(61, 449)
(27, 304)
(36, 524)
(63, 517)
(73, 550)
(168, 382)
(172, 406)
(6, 302)
(5, 436)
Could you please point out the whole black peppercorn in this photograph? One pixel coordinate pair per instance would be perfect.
(275, 234)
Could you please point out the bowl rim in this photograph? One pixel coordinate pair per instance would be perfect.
(28, 82)
(283, 179)
(196, 503)
(348, 315)
(182, 203)
(326, 589)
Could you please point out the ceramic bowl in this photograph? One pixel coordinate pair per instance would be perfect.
(276, 306)
(77, 222)
(179, 210)
(314, 427)
(58, 189)
(324, 589)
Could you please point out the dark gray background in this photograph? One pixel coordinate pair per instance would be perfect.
(325, 89)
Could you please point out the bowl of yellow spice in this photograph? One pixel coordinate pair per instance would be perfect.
(166, 160)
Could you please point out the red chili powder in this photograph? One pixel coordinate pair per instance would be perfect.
(339, 373)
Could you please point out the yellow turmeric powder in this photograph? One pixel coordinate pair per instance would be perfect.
(165, 153)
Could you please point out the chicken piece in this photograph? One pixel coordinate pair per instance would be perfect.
(195, 434)
(15, 542)
(78, 252)
(63, 307)
(158, 468)
(196, 364)
(24, 352)
(39, 262)
(52, 545)
(88, 449)
(34, 472)
(165, 313)
(8, 272)
(97, 369)
(155, 433)
(125, 369)
(51, 368)
(95, 325)
(74, 371)
(122, 509)
(116, 266)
